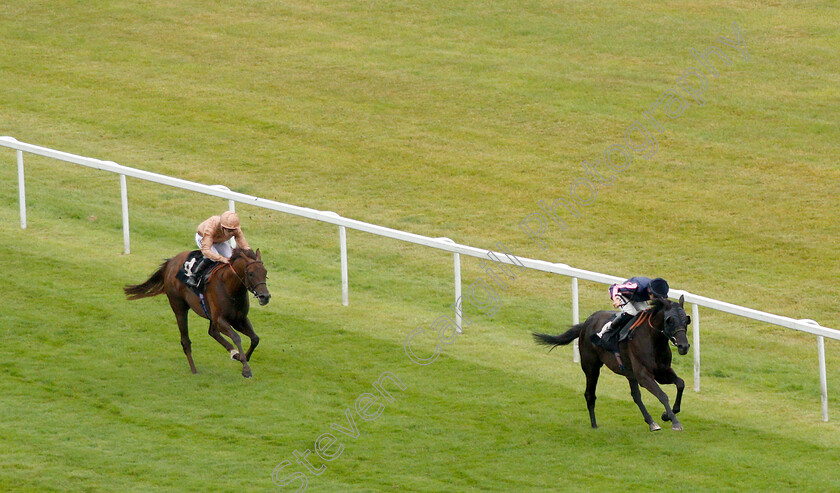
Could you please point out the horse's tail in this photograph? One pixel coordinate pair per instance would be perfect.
(561, 339)
(152, 287)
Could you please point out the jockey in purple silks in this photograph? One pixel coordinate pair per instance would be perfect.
(632, 297)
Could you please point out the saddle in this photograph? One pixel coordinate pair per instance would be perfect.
(611, 339)
(626, 332)
(190, 270)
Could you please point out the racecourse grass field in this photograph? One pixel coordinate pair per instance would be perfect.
(439, 119)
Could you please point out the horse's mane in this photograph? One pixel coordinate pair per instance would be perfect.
(664, 304)
(660, 304)
(239, 252)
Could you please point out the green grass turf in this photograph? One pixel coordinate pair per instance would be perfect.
(441, 119)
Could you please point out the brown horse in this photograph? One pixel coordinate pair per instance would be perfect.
(226, 297)
(646, 353)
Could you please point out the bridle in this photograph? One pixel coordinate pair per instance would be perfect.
(673, 335)
(647, 316)
(251, 288)
(673, 338)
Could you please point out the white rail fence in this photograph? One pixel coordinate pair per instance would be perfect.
(444, 244)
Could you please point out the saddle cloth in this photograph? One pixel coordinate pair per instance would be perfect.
(188, 270)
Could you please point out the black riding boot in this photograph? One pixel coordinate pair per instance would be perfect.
(610, 327)
(620, 321)
(194, 281)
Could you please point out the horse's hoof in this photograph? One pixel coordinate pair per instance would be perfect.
(246, 373)
(655, 427)
(234, 355)
(677, 427)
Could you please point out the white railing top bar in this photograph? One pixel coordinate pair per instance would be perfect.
(439, 243)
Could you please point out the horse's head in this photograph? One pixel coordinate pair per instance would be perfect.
(254, 275)
(675, 324)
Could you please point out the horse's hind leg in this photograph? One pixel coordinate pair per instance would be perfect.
(592, 375)
(181, 310)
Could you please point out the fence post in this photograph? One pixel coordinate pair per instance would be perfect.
(695, 332)
(124, 197)
(342, 241)
(21, 190)
(457, 274)
(458, 318)
(345, 283)
(575, 318)
(823, 378)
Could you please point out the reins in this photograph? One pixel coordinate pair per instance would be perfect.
(647, 316)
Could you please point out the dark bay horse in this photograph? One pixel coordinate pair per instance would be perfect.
(226, 297)
(646, 354)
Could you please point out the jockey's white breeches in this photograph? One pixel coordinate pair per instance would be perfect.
(634, 307)
(629, 307)
(222, 249)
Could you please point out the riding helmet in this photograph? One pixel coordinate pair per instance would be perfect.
(659, 288)
(230, 220)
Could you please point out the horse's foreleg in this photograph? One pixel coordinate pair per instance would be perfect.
(228, 330)
(669, 377)
(647, 381)
(215, 334)
(637, 398)
(246, 328)
(181, 310)
(680, 387)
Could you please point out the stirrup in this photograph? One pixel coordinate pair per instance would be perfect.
(195, 283)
